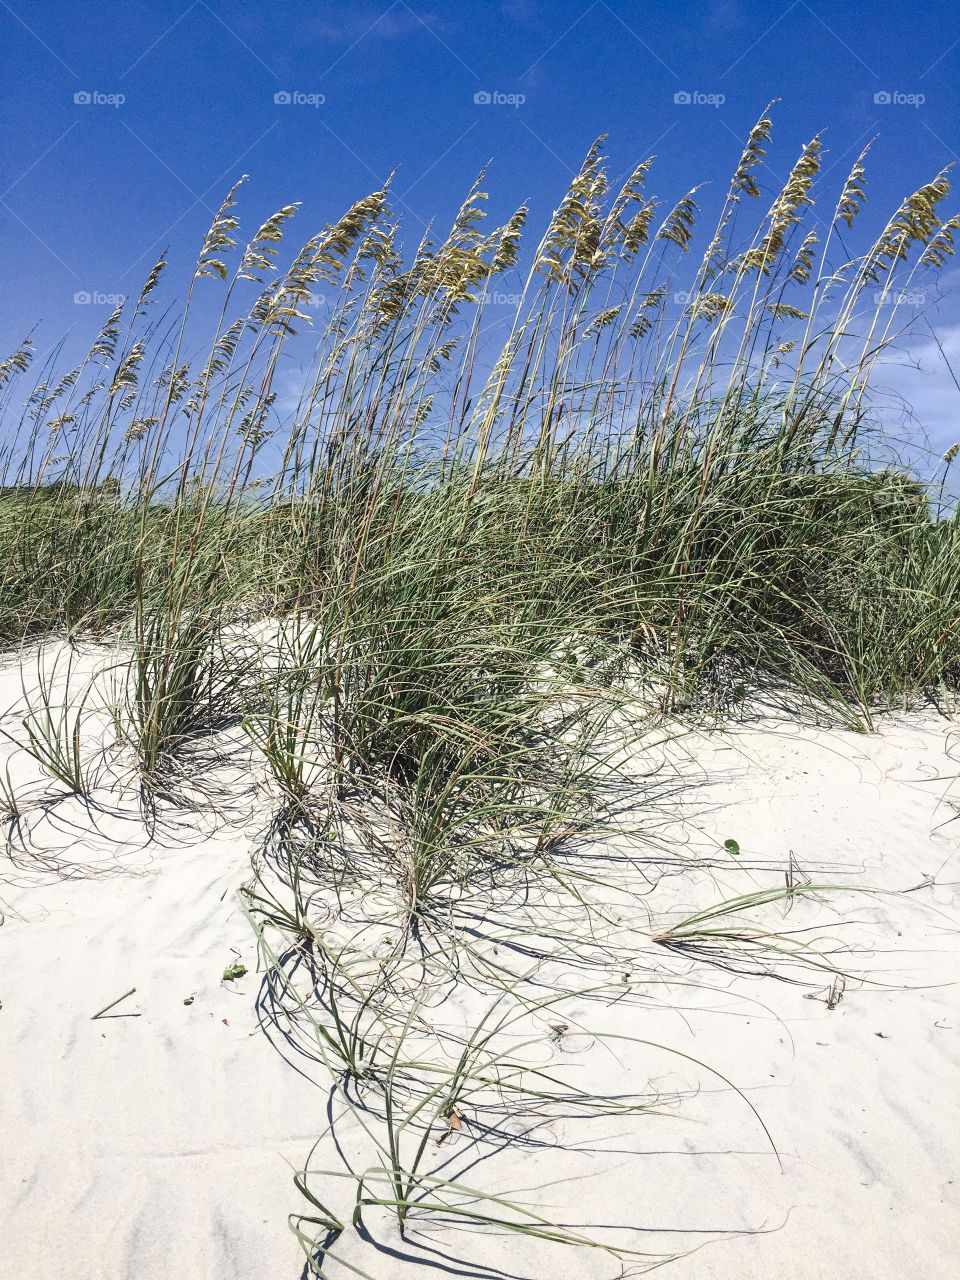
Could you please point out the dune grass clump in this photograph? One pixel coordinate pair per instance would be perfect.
(430, 583)
(694, 478)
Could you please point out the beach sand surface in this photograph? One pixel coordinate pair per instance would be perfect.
(795, 1135)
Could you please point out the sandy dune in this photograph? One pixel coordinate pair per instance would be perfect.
(160, 1140)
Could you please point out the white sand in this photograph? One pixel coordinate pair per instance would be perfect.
(163, 1144)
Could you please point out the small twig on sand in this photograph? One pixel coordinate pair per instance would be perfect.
(113, 1004)
(928, 882)
(835, 994)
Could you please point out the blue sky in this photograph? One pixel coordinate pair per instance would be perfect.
(124, 124)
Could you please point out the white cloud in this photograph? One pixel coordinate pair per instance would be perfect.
(915, 387)
(915, 382)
